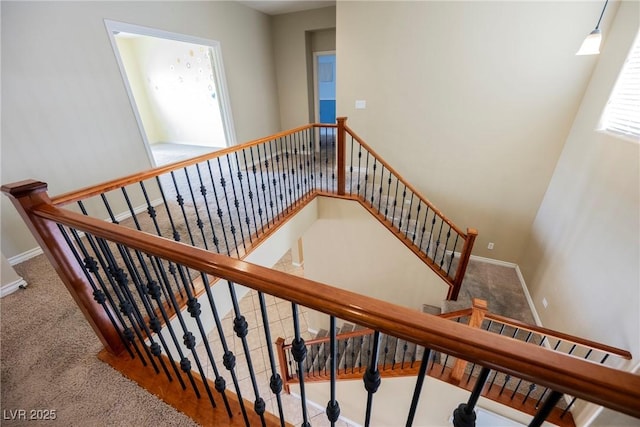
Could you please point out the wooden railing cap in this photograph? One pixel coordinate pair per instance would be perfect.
(22, 188)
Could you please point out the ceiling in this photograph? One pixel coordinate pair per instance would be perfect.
(286, 6)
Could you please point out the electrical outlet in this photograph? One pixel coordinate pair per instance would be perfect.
(490, 245)
(544, 302)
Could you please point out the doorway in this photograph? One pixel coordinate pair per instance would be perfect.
(325, 86)
(177, 89)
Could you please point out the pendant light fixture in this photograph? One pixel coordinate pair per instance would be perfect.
(591, 44)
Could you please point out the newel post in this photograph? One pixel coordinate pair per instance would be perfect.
(472, 233)
(479, 310)
(282, 360)
(29, 195)
(340, 161)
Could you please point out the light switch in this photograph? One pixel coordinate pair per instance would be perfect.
(361, 104)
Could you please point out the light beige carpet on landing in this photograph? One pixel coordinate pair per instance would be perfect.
(48, 362)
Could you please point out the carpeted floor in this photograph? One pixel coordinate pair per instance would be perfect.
(48, 357)
(48, 354)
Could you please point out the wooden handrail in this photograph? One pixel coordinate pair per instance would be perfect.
(404, 182)
(95, 190)
(615, 389)
(559, 335)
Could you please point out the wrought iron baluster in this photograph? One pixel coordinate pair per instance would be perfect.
(137, 281)
(252, 193)
(299, 351)
(395, 201)
(185, 363)
(294, 164)
(351, 169)
(546, 409)
(199, 222)
(236, 203)
(265, 194)
(408, 226)
(273, 192)
(371, 377)
(404, 198)
(291, 171)
(282, 193)
(333, 159)
(435, 251)
(444, 248)
(567, 408)
(241, 328)
(117, 279)
(380, 189)
(228, 358)
(203, 192)
(464, 414)
(176, 235)
(247, 218)
(333, 408)
(219, 210)
(275, 383)
(455, 244)
(366, 177)
(145, 292)
(415, 228)
(312, 162)
(254, 169)
(180, 201)
(424, 228)
(422, 372)
(359, 167)
(373, 181)
(193, 307)
(433, 223)
(283, 172)
(90, 266)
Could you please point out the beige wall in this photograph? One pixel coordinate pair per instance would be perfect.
(66, 117)
(348, 248)
(470, 101)
(583, 254)
(290, 43)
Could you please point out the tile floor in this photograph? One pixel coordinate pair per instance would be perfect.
(281, 325)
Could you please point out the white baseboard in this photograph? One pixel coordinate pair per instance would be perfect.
(527, 295)
(10, 288)
(25, 256)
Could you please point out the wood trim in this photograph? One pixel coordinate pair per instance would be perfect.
(185, 401)
(472, 233)
(615, 389)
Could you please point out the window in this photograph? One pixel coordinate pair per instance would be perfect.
(622, 113)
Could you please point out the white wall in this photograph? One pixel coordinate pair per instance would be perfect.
(348, 248)
(392, 401)
(583, 254)
(470, 101)
(66, 117)
(291, 56)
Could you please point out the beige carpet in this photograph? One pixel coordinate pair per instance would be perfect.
(48, 361)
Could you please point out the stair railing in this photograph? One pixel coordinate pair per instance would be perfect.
(424, 229)
(354, 349)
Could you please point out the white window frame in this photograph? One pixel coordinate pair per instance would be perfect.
(621, 115)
